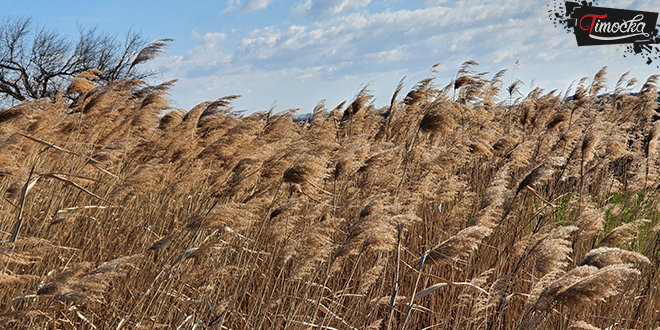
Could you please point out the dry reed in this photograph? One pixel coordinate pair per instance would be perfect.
(449, 208)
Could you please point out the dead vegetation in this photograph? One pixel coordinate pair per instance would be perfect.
(445, 210)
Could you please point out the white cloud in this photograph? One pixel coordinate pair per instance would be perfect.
(346, 48)
(644, 5)
(320, 8)
(302, 9)
(386, 56)
(210, 39)
(370, 36)
(205, 58)
(246, 6)
(430, 3)
(231, 5)
(254, 5)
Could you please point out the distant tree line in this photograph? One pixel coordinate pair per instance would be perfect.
(36, 62)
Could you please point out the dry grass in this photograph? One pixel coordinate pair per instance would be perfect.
(455, 212)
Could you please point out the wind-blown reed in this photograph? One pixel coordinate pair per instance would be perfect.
(446, 209)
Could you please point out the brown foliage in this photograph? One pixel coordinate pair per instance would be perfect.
(213, 218)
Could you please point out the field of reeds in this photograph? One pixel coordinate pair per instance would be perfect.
(470, 206)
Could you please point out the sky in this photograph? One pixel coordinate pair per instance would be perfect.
(293, 54)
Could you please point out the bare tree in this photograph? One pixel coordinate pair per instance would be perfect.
(37, 63)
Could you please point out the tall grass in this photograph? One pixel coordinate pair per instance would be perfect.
(456, 211)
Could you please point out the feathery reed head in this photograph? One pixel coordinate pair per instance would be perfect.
(607, 256)
(438, 119)
(459, 245)
(150, 52)
(83, 82)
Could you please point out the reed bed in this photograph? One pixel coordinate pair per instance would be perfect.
(469, 206)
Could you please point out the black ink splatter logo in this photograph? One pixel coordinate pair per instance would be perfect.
(592, 26)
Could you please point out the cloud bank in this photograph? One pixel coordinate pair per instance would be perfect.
(327, 48)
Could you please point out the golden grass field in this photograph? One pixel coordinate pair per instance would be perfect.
(462, 209)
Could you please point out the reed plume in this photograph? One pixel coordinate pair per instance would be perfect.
(459, 245)
(607, 256)
(552, 251)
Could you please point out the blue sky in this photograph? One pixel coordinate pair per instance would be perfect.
(296, 53)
